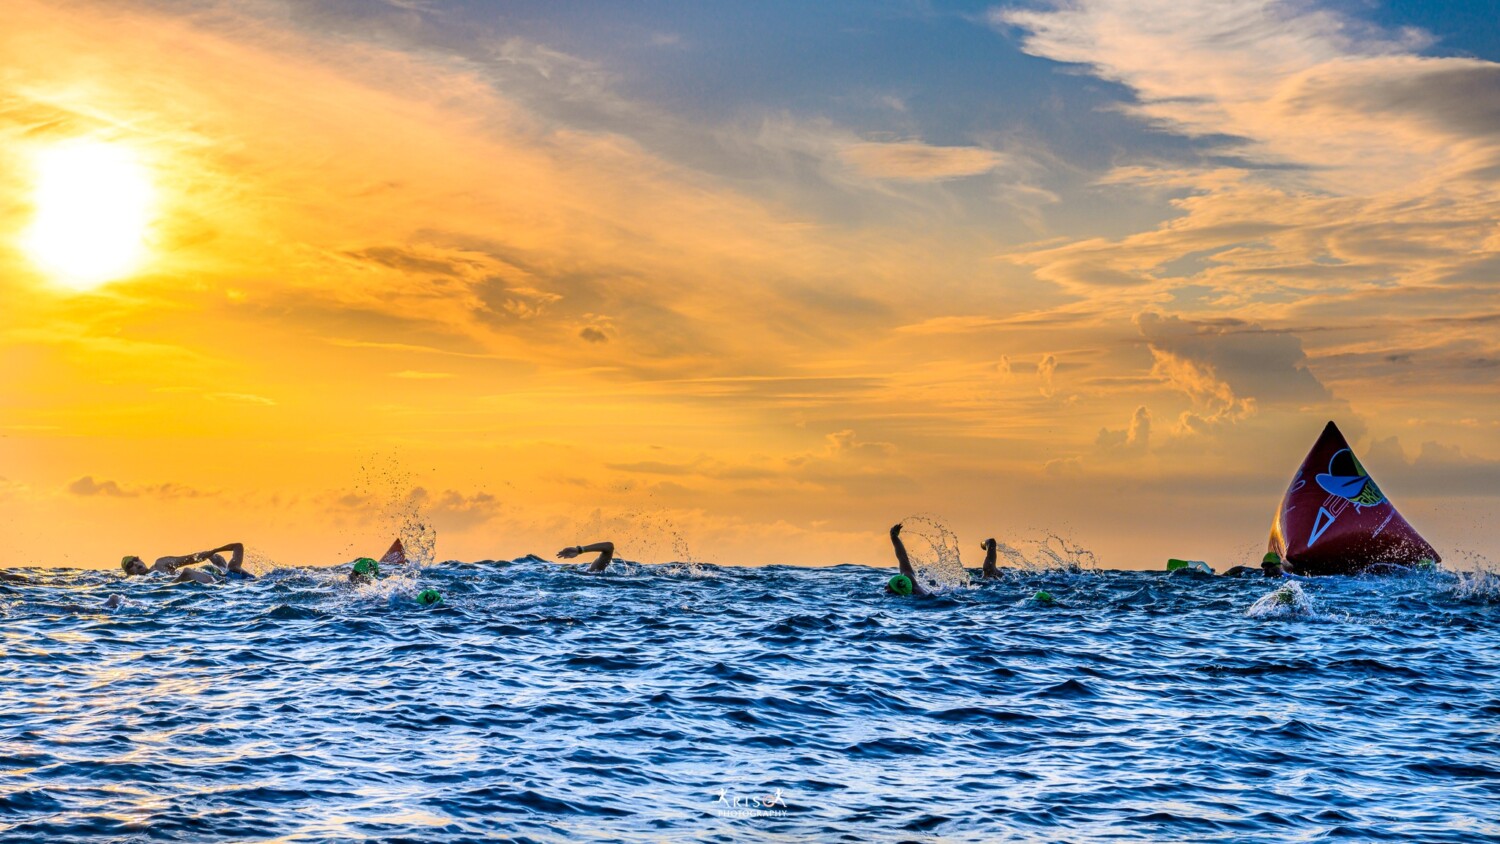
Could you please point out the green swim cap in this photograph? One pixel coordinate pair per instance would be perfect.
(1042, 597)
(900, 584)
(429, 597)
(367, 566)
(1271, 557)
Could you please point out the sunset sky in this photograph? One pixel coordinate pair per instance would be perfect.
(743, 283)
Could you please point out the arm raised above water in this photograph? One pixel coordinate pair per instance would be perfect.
(605, 550)
(903, 562)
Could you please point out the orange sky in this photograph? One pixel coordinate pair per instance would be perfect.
(383, 284)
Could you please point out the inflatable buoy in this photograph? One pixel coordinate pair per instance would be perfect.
(1189, 567)
(395, 556)
(1334, 518)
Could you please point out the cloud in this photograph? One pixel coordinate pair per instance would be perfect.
(846, 442)
(593, 335)
(86, 485)
(913, 161)
(240, 398)
(1214, 361)
(1133, 440)
(1438, 470)
(452, 510)
(1046, 368)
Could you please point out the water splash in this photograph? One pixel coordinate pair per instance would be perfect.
(1052, 554)
(935, 556)
(648, 536)
(388, 488)
(1477, 587)
(1287, 601)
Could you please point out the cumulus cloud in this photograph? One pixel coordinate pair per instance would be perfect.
(1215, 361)
(1133, 440)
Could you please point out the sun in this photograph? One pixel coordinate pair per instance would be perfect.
(93, 204)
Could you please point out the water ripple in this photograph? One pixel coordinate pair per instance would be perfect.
(692, 702)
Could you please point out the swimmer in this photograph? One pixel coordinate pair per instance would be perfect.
(906, 582)
(1271, 567)
(990, 571)
(605, 550)
(366, 569)
(218, 567)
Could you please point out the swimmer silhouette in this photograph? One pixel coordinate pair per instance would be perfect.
(217, 568)
(906, 582)
(990, 571)
(605, 550)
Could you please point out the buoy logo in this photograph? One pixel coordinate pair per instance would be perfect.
(1347, 479)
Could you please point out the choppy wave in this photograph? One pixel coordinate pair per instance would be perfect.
(692, 702)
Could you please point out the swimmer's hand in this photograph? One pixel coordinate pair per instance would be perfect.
(570, 552)
(896, 530)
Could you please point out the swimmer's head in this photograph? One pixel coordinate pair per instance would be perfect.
(1270, 565)
(133, 565)
(429, 597)
(899, 584)
(1426, 564)
(1271, 558)
(1043, 597)
(365, 570)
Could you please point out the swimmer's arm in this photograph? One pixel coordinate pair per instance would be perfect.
(236, 554)
(605, 550)
(989, 561)
(903, 562)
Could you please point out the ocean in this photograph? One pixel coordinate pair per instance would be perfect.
(688, 702)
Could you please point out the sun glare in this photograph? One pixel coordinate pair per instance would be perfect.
(93, 204)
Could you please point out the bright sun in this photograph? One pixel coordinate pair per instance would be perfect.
(93, 204)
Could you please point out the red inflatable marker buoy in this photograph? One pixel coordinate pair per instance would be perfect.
(396, 556)
(1334, 519)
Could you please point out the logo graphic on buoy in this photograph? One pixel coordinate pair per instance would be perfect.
(1347, 479)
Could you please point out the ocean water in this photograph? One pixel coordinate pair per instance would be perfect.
(695, 703)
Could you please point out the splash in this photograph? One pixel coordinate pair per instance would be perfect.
(648, 536)
(389, 489)
(1287, 601)
(1477, 587)
(939, 564)
(1052, 554)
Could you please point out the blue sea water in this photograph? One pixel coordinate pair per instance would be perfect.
(690, 702)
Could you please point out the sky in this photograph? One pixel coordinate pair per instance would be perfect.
(740, 283)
